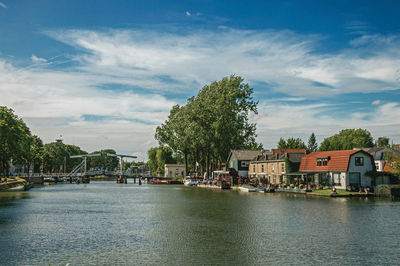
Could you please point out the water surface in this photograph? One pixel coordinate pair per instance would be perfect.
(108, 223)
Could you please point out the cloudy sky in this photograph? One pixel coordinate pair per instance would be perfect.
(104, 74)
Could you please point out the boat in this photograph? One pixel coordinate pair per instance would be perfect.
(190, 182)
(247, 189)
(17, 188)
(261, 189)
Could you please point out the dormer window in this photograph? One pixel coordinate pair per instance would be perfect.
(322, 161)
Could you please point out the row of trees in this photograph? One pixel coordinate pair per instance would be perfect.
(204, 130)
(346, 139)
(19, 146)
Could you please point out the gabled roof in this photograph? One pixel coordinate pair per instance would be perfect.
(244, 155)
(337, 161)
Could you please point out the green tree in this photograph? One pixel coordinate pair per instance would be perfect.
(15, 139)
(158, 157)
(56, 154)
(382, 142)
(212, 123)
(104, 161)
(291, 143)
(282, 144)
(348, 139)
(312, 143)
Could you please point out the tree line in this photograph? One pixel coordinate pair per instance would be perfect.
(346, 139)
(19, 147)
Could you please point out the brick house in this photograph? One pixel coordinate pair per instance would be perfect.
(343, 168)
(272, 168)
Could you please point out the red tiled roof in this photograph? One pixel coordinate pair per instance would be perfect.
(338, 161)
(388, 167)
(282, 151)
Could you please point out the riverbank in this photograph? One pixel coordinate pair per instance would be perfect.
(13, 184)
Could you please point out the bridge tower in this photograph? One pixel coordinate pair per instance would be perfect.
(122, 178)
(83, 177)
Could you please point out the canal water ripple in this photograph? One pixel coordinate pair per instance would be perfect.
(105, 223)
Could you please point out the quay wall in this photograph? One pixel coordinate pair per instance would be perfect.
(387, 191)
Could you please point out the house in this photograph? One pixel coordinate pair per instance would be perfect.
(240, 160)
(343, 168)
(174, 170)
(272, 168)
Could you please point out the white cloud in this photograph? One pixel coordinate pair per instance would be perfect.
(53, 102)
(36, 59)
(376, 102)
(3, 5)
(188, 14)
(277, 120)
(283, 58)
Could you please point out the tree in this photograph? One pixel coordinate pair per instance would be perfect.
(291, 143)
(104, 161)
(211, 124)
(56, 154)
(158, 157)
(312, 143)
(282, 144)
(348, 139)
(382, 142)
(15, 139)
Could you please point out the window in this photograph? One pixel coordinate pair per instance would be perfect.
(272, 168)
(336, 179)
(244, 163)
(283, 167)
(262, 168)
(254, 168)
(322, 161)
(359, 161)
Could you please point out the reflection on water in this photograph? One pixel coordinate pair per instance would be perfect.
(7, 198)
(108, 223)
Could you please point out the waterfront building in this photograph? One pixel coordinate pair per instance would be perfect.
(341, 168)
(381, 155)
(240, 160)
(174, 170)
(273, 168)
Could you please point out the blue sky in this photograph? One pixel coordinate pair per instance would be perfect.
(104, 74)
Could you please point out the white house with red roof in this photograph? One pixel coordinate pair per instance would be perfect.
(343, 168)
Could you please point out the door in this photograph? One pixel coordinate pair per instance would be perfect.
(354, 179)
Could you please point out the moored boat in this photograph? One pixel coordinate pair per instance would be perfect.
(247, 189)
(190, 182)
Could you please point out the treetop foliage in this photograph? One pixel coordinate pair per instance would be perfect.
(209, 125)
(348, 139)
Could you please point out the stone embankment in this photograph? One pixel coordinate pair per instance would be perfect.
(388, 191)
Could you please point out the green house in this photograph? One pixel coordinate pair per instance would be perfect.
(240, 160)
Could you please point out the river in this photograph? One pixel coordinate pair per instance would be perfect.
(108, 223)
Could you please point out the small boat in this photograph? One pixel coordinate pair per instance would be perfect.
(190, 182)
(17, 188)
(247, 189)
(260, 190)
